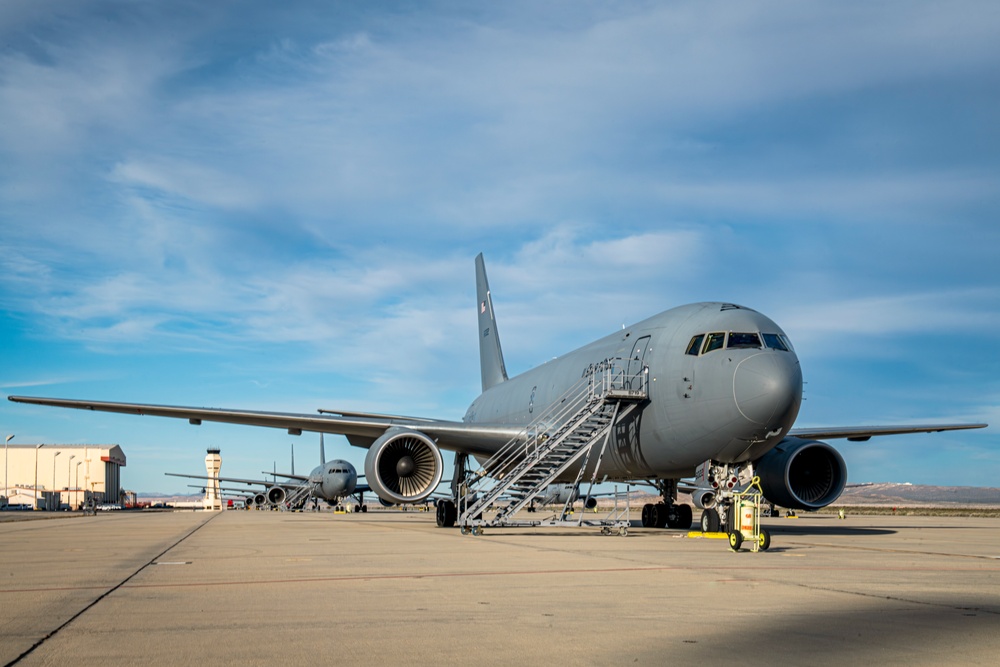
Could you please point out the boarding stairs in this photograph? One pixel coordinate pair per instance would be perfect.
(563, 435)
(297, 496)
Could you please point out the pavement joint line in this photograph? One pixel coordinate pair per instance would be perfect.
(497, 573)
(911, 552)
(108, 592)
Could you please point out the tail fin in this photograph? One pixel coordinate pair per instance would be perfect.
(490, 355)
(322, 451)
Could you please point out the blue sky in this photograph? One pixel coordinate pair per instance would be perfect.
(277, 205)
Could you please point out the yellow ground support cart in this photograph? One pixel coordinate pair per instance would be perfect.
(745, 522)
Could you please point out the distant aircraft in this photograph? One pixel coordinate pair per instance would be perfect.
(714, 388)
(564, 494)
(331, 481)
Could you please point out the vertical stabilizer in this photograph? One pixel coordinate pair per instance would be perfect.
(322, 451)
(490, 355)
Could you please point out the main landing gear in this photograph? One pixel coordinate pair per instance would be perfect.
(661, 515)
(447, 514)
(667, 514)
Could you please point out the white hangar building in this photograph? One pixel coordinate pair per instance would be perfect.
(53, 476)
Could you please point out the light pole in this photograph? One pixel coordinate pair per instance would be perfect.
(54, 457)
(6, 487)
(76, 484)
(69, 498)
(37, 447)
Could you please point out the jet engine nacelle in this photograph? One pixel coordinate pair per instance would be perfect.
(403, 466)
(276, 495)
(802, 474)
(704, 499)
(259, 500)
(590, 503)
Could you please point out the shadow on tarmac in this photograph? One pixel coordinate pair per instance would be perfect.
(896, 632)
(818, 531)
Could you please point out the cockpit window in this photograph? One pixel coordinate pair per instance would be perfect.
(714, 341)
(743, 340)
(695, 345)
(775, 342)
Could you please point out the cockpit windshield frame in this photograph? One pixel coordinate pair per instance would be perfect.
(703, 343)
(743, 340)
(714, 341)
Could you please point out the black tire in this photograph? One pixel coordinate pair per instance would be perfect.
(446, 514)
(683, 516)
(659, 515)
(764, 540)
(710, 522)
(735, 540)
(647, 514)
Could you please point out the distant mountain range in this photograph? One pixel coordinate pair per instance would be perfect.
(885, 493)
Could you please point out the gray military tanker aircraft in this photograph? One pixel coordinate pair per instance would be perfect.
(722, 387)
(330, 481)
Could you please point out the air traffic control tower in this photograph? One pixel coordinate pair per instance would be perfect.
(213, 464)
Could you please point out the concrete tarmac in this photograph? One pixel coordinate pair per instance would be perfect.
(389, 588)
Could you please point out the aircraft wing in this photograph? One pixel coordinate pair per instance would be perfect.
(301, 478)
(234, 480)
(862, 433)
(360, 429)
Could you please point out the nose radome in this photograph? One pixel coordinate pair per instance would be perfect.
(766, 386)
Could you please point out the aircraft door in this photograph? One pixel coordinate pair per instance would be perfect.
(625, 451)
(636, 359)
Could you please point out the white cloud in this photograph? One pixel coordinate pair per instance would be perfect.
(964, 312)
(246, 181)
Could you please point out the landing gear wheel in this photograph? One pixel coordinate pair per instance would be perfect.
(446, 514)
(687, 516)
(763, 540)
(680, 517)
(364, 509)
(710, 522)
(658, 515)
(647, 515)
(735, 540)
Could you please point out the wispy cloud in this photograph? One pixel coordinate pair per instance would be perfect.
(305, 185)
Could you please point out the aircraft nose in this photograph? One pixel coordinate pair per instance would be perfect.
(767, 386)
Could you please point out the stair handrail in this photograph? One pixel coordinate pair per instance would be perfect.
(528, 445)
(605, 377)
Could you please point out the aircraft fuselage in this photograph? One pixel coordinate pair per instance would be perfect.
(730, 403)
(334, 480)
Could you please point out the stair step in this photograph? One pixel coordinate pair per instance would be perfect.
(526, 476)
